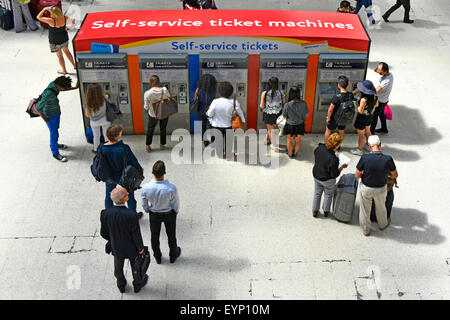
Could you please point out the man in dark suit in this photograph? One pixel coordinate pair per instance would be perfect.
(120, 226)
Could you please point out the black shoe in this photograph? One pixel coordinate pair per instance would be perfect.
(62, 146)
(385, 18)
(326, 214)
(139, 287)
(381, 131)
(408, 21)
(121, 288)
(158, 259)
(315, 213)
(139, 214)
(172, 260)
(59, 157)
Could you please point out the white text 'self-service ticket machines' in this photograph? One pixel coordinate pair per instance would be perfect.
(110, 71)
(331, 66)
(172, 70)
(228, 67)
(291, 71)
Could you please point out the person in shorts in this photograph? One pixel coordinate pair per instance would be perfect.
(336, 102)
(272, 101)
(57, 35)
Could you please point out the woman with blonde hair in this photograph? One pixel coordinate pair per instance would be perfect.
(95, 110)
(325, 171)
(57, 35)
(150, 96)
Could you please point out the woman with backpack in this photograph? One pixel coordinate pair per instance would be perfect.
(272, 102)
(205, 94)
(95, 110)
(366, 105)
(295, 112)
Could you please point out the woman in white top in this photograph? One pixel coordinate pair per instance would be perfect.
(95, 110)
(272, 102)
(221, 112)
(150, 96)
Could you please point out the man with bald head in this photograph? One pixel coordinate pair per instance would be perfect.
(120, 226)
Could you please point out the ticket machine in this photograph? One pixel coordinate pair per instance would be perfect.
(172, 70)
(331, 66)
(290, 69)
(228, 67)
(111, 72)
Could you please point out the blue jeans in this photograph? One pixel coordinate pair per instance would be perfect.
(110, 185)
(53, 126)
(367, 4)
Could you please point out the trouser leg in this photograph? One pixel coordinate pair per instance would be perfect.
(150, 129)
(170, 223)
(382, 116)
(318, 190)
(229, 142)
(397, 5)
(204, 126)
(28, 17)
(17, 12)
(118, 271)
(110, 185)
(53, 126)
(162, 130)
(135, 281)
(96, 133)
(374, 123)
(329, 187)
(365, 203)
(407, 6)
(155, 230)
(379, 198)
(389, 202)
(131, 201)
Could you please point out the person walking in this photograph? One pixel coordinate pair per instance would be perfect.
(150, 96)
(95, 110)
(57, 35)
(406, 5)
(205, 94)
(336, 101)
(367, 4)
(366, 105)
(160, 199)
(50, 111)
(120, 227)
(295, 112)
(373, 169)
(325, 171)
(272, 101)
(113, 151)
(221, 112)
(383, 91)
(19, 8)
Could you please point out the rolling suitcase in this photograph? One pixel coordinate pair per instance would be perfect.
(47, 3)
(6, 15)
(344, 197)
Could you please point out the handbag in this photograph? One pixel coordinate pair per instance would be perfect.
(281, 122)
(193, 106)
(236, 121)
(388, 112)
(112, 111)
(164, 108)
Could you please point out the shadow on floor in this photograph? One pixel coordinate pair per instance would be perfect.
(216, 263)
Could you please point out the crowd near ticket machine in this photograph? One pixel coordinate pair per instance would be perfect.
(331, 66)
(172, 70)
(228, 67)
(111, 72)
(290, 69)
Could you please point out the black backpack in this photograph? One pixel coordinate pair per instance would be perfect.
(132, 177)
(100, 168)
(346, 111)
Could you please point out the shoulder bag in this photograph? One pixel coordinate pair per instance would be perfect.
(236, 121)
(132, 177)
(112, 111)
(164, 108)
(193, 106)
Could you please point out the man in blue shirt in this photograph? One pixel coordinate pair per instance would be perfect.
(160, 200)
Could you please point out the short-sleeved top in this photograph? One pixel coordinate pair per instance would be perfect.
(204, 100)
(221, 112)
(95, 116)
(338, 99)
(386, 82)
(375, 167)
(152, 95)
(369, 107)
(295, 112)
(273, 106)
(49, 103)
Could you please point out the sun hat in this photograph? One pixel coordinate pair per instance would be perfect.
(366, 87)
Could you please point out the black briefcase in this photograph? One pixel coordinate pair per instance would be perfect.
(141, 264)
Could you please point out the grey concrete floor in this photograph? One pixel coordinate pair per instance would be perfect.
(246, 231)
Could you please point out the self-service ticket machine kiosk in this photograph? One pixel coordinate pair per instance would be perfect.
(111, 72)
(172, 70)
(290, 69)
(331, 66)
(228, 67)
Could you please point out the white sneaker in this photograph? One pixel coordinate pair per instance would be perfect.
(356, 152)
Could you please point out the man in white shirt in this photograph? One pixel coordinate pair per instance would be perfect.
(383, 91)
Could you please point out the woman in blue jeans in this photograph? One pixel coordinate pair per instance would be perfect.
(113, 152)
(205, 94)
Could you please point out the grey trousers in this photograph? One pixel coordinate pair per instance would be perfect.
(18, 9)
(365, 196)
(327, 188)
